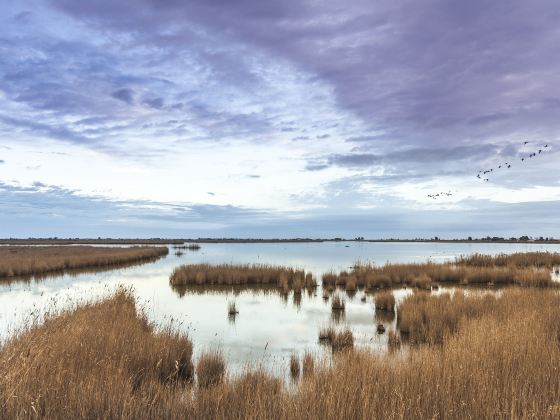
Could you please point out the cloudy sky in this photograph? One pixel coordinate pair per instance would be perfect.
(279, 119)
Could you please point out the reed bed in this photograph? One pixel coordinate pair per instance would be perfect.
(501, 362)
(101, 360)
(427, 275)
(190, 247)
(518, 259)
(284, 278)
(90, 241)
(426, 318)
(18, 261)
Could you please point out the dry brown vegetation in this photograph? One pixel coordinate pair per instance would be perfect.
(518, 259)
(308, 364)
(100, 360)
(210, 369)
(385, 301)
(426, 318)
(337, 303)
(190, 247)
(500, 360)
(90, 241)
(38, 260)
(247, 274)
(294, 366)
(528, 270)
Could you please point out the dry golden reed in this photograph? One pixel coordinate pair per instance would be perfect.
(499, 360)
(531, 270)
(244, 274)
(101, 360)
(37, 260)
(385, 301)
(210, 369)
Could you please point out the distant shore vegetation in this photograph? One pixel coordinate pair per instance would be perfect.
(18, 261)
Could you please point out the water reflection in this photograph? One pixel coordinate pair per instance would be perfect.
(270, 325)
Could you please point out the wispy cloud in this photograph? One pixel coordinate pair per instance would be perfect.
(299, 101)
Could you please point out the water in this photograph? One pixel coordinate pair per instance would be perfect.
(268, 328)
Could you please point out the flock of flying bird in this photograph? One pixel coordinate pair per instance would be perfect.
(483, 174)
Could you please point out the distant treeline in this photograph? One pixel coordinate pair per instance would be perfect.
(162, 241)
(540, 239)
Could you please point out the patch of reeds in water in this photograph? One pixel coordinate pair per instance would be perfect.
(190, 247)
(427, 275)
(284, 278)
(40, 260)
(337, 303)
(385, 301)
(342, 339)
(501, 362)
(518, 259)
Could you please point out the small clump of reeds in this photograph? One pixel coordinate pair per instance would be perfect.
(326, 334)
(232, 308)
(385, 301)
(337, 303)
(211, 368)
(342, 340)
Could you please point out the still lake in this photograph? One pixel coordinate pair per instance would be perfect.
(269, 327)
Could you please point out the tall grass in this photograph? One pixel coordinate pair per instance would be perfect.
(101, 360)
(501, 360)
(37, 260)
(426, 318)
(518, 259)
(249, 274)
(467, 270)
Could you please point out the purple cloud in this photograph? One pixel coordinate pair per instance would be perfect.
(125, 95)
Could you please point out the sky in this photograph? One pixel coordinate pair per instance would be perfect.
(244, 118)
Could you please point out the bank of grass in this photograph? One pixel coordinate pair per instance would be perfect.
(531, 270)
(241, 274)
(517, 259)
(502, 362)
(18, 261)
(100, 360)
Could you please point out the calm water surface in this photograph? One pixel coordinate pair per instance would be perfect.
(269, 327)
